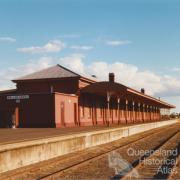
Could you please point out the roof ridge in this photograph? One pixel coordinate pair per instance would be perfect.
(33, 73)
(53, 72)
(68, 70)
(44, 70)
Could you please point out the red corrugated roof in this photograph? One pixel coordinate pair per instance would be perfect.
(54, 72)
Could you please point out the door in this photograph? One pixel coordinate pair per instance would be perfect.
(5, 119)
(62, 109)
(16, 116)
(75, 114)
(9, 118)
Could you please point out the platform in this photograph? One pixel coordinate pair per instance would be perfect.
(9, 136)
(21, 147)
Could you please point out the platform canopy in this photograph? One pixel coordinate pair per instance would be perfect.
(102, 88)
(117, 90)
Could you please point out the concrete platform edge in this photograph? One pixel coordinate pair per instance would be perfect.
(21, 154)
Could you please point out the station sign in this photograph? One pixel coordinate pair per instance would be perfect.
(18, 97)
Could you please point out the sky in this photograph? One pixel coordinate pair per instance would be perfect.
(138, 40)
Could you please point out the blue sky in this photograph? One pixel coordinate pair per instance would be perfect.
(141, 35)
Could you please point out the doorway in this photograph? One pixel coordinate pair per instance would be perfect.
(62, 110)
(9, 118)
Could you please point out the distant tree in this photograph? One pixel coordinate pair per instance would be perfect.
(173, 115)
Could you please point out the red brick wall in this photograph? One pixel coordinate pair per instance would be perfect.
(70, 116)
(69, 86)
(37, 111)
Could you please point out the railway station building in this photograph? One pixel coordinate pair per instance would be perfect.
(58, 97)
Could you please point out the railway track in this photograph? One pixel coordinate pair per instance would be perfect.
(159, 165)
(175, 175)
(95, 158)
(74, 165)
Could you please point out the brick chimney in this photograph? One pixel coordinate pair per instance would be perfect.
(142, 90)
(111, 77)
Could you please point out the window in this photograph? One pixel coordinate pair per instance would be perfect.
(62, 111)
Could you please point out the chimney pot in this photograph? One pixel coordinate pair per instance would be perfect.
(143, 90)
(94, 76)
(111, 77)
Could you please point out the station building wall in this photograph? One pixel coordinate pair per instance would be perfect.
(66, 110)
(69, 86)
(36, 111)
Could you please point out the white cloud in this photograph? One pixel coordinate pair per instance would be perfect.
(176, 69)
(7, 39)
(174, 100)
(117, 42)
(6, 75)
(50, 47)
(127, 74)
(159, 86)
(81, 47)
(74, 62)
(171, 86)
(132, 76)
